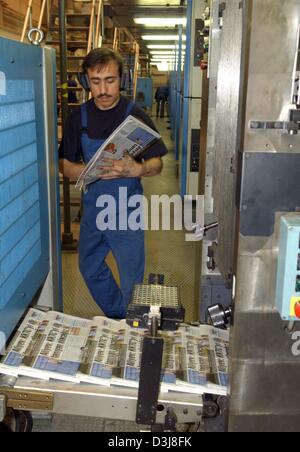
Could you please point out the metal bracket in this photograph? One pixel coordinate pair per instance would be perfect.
(2, 84)
(150, 377)
(292, 126)
(200, 230)
(27, 400)
(154, 320)
(170, 421)
(2, 407)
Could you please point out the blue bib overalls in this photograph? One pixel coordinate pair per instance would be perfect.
(94, 244)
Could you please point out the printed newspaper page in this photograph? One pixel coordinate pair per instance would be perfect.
(218, 350)
(132, 357)
(196, 360)
(108, 352)
(101, 357)
(10, 363)
(220, 356)
(132, 137)
(204, 359)
(48, 346)
(171, 356)
(57, 346)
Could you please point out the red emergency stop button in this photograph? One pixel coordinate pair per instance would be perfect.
(297, 310)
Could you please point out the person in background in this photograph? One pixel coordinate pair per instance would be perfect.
(87, 128)
(161, 97)
(72, 98)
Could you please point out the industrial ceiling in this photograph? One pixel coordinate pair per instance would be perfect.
(124, 12)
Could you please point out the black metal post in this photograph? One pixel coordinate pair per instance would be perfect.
(68, 242)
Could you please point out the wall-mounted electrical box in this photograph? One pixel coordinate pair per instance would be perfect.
(288, 271)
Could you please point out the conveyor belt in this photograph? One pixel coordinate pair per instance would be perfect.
(94, 401)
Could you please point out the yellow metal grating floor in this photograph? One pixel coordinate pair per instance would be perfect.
(167, 252)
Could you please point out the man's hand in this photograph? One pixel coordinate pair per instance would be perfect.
(127, 167)
(70, 170)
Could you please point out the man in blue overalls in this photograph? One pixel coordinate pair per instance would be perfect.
(86, 130)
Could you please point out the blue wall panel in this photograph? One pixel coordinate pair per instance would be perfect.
(185, 136)
(144, 92)
(24, 222)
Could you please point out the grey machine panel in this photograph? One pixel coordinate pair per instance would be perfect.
(214, 56)
(272, 62)
(264, 381)
(270, 184)
(227, 121)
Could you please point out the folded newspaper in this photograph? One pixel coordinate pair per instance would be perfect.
(108, 353)
(132, 137)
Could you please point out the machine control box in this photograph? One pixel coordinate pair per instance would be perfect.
(166, 298)
(288, 270)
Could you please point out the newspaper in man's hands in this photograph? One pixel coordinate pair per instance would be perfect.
(132, 137)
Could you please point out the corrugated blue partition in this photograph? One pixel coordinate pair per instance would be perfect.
(24, 218)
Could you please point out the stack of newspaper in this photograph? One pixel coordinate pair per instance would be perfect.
(108, 353)
(132, 137)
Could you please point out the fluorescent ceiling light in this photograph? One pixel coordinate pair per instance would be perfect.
(162, 38)
(154, 57)
(163, 59)
(162, 67)
(162, 52)
(167, 64)
(163, 47)
(160, 22)
(165, 55)
(167, 47)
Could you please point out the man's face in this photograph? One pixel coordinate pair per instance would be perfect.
(105, 85)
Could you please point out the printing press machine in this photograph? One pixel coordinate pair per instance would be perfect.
(30, 222)
(145, 405)
(253, 148)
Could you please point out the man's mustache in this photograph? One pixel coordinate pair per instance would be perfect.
(101, 96)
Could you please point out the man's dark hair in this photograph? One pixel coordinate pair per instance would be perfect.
(102, 57)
